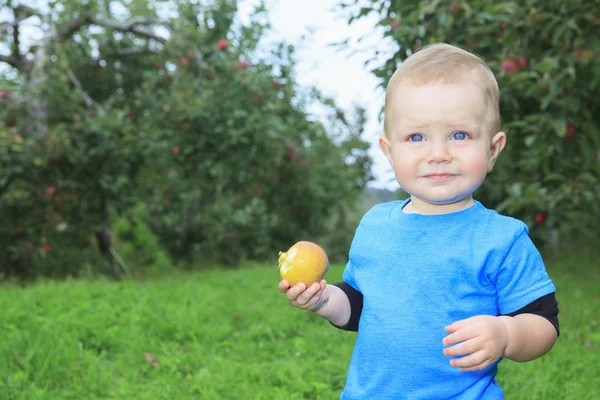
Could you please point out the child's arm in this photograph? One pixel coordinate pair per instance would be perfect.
(529, 337)
(482, 339)
(327, 301)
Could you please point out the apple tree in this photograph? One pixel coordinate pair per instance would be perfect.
(239, 167)
(164, 107)
(546, 56)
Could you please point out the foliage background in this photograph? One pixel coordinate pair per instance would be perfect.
(198, 139)
(144, 134)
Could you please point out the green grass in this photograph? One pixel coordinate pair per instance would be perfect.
(231, 335)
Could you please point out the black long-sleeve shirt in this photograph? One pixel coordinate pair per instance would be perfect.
(546, 306)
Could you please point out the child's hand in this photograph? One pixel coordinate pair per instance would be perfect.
(483, 338)
(311, 298)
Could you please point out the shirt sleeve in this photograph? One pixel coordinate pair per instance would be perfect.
(356, 304)
(521, 277)
(348, 275)
(546, 307)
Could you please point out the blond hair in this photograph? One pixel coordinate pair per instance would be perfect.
(445, 64)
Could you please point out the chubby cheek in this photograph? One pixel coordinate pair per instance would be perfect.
(405, 168)
(476, 167)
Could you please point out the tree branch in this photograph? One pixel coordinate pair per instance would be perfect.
(15, 52)
(86, 97)
(5, 25)
(129, 26)
(131, 51)
(9, 60)
(72, 27)
(21, 13)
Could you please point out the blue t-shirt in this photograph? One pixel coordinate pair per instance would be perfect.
(418, 273)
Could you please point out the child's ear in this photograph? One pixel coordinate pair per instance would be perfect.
(386, 148)
(496, 146)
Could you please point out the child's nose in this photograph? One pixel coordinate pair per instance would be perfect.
(439, 153)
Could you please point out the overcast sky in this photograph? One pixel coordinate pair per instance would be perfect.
(341, 75)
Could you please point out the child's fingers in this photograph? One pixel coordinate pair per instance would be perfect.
(474, 360)
(476, 367)
(466, 347)
(459, 324)
(295, 291)
(284, 286)
(460, 335)
(322, 286)
(308, 294)
(477, 360)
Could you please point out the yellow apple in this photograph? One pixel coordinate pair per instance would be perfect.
(304, 262)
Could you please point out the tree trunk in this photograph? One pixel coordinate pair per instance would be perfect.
(19, 265)
(103, 235)
(34, 82)
(105, 244)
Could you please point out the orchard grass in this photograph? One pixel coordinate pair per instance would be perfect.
(228, 334)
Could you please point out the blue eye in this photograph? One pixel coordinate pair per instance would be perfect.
(459, 135)
(417, 137)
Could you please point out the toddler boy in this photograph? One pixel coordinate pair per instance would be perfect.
(438, 287)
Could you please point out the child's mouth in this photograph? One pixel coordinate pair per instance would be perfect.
(439, 177)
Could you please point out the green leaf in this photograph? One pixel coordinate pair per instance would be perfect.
(530, 140)
(560, 126)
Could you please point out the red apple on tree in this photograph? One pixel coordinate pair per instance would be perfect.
(523, 61)
(242, 65)
(222, 44)
(50, 191)
(510, 67)
(540, 217)
(571, 133)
